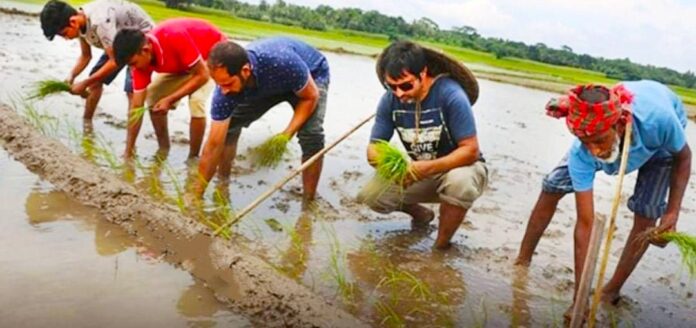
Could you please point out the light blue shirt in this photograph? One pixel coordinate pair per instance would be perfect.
(658, 130)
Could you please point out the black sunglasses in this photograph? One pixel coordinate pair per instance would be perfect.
(405, 87)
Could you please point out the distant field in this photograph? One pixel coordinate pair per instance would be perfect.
(535, 74)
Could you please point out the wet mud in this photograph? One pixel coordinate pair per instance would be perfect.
(372, 265)
(241, 280)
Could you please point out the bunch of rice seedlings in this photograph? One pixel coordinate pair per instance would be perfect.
(391, 164)
(687, 248)
(685, 242)
(48, 87)
(136, 114)
(270, 153)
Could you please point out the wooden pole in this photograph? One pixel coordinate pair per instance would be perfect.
(292, 174)
(612, 227)
(587, 272)
(595, 241)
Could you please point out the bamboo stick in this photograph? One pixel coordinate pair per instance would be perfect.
(591, 259)
(292, 174)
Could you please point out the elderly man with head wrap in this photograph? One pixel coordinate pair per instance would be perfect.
(598, 116)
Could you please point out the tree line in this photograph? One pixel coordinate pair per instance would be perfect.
(324, 17)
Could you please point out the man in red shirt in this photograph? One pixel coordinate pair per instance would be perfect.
(177, 49)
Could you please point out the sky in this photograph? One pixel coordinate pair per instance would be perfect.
(655, 32)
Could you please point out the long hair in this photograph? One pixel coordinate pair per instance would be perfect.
(409, 56)
(439, 63)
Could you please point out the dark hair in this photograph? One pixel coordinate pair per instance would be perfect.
(408, 56)
(127, 43)
(398, 57)
(55, 16)
(229, 55)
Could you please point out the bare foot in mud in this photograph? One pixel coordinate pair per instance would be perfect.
(523, 263)
(611, 298)
(421, 215)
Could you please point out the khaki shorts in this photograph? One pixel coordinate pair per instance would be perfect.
(460, 187)
(165, 84)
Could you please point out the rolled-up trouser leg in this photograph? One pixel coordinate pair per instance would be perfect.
(460, 186)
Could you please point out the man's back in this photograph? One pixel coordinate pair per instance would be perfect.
(106, 17)
(282, 51)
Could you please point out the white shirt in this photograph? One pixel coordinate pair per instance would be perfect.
(106, 17)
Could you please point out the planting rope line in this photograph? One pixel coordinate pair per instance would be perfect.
(586, 278)
(292, 174)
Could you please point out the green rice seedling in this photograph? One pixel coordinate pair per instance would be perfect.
(389, 317)
(46, 88)
(294, 258)
(74, 136)
(87, 145)
(178, 188)
(685, 242)
(224, 213)
(346, 289)
(135, 115)
(154, 184)
(391, 163)
(270, 153)
(274, 224)
(687, 247)
(104, 151)
(39, 120)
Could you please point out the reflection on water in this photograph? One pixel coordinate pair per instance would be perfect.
(407, 285)
(520, 315)
(195, 305)
(387, 268)
(294, 260)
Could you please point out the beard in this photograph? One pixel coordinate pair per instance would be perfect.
(615, 152)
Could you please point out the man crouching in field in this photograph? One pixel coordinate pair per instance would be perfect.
(598, 117)
(428, 102)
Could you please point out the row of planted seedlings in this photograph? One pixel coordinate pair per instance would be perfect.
(96, 148)
(386, 296)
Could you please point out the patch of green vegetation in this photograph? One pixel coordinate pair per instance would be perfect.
(46, 88)
(135, 115)
(687, 247)
(270, 153)
(390, 162)
(372, 44)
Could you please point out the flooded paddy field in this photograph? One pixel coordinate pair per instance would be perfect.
(64, 264)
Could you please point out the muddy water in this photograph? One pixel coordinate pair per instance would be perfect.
(374, 264)
(64, 265)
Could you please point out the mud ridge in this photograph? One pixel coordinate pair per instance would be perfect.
(244, 282)
(15, 11)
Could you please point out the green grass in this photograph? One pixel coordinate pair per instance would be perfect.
(371, 44)
(270, 153)
(45, 88)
